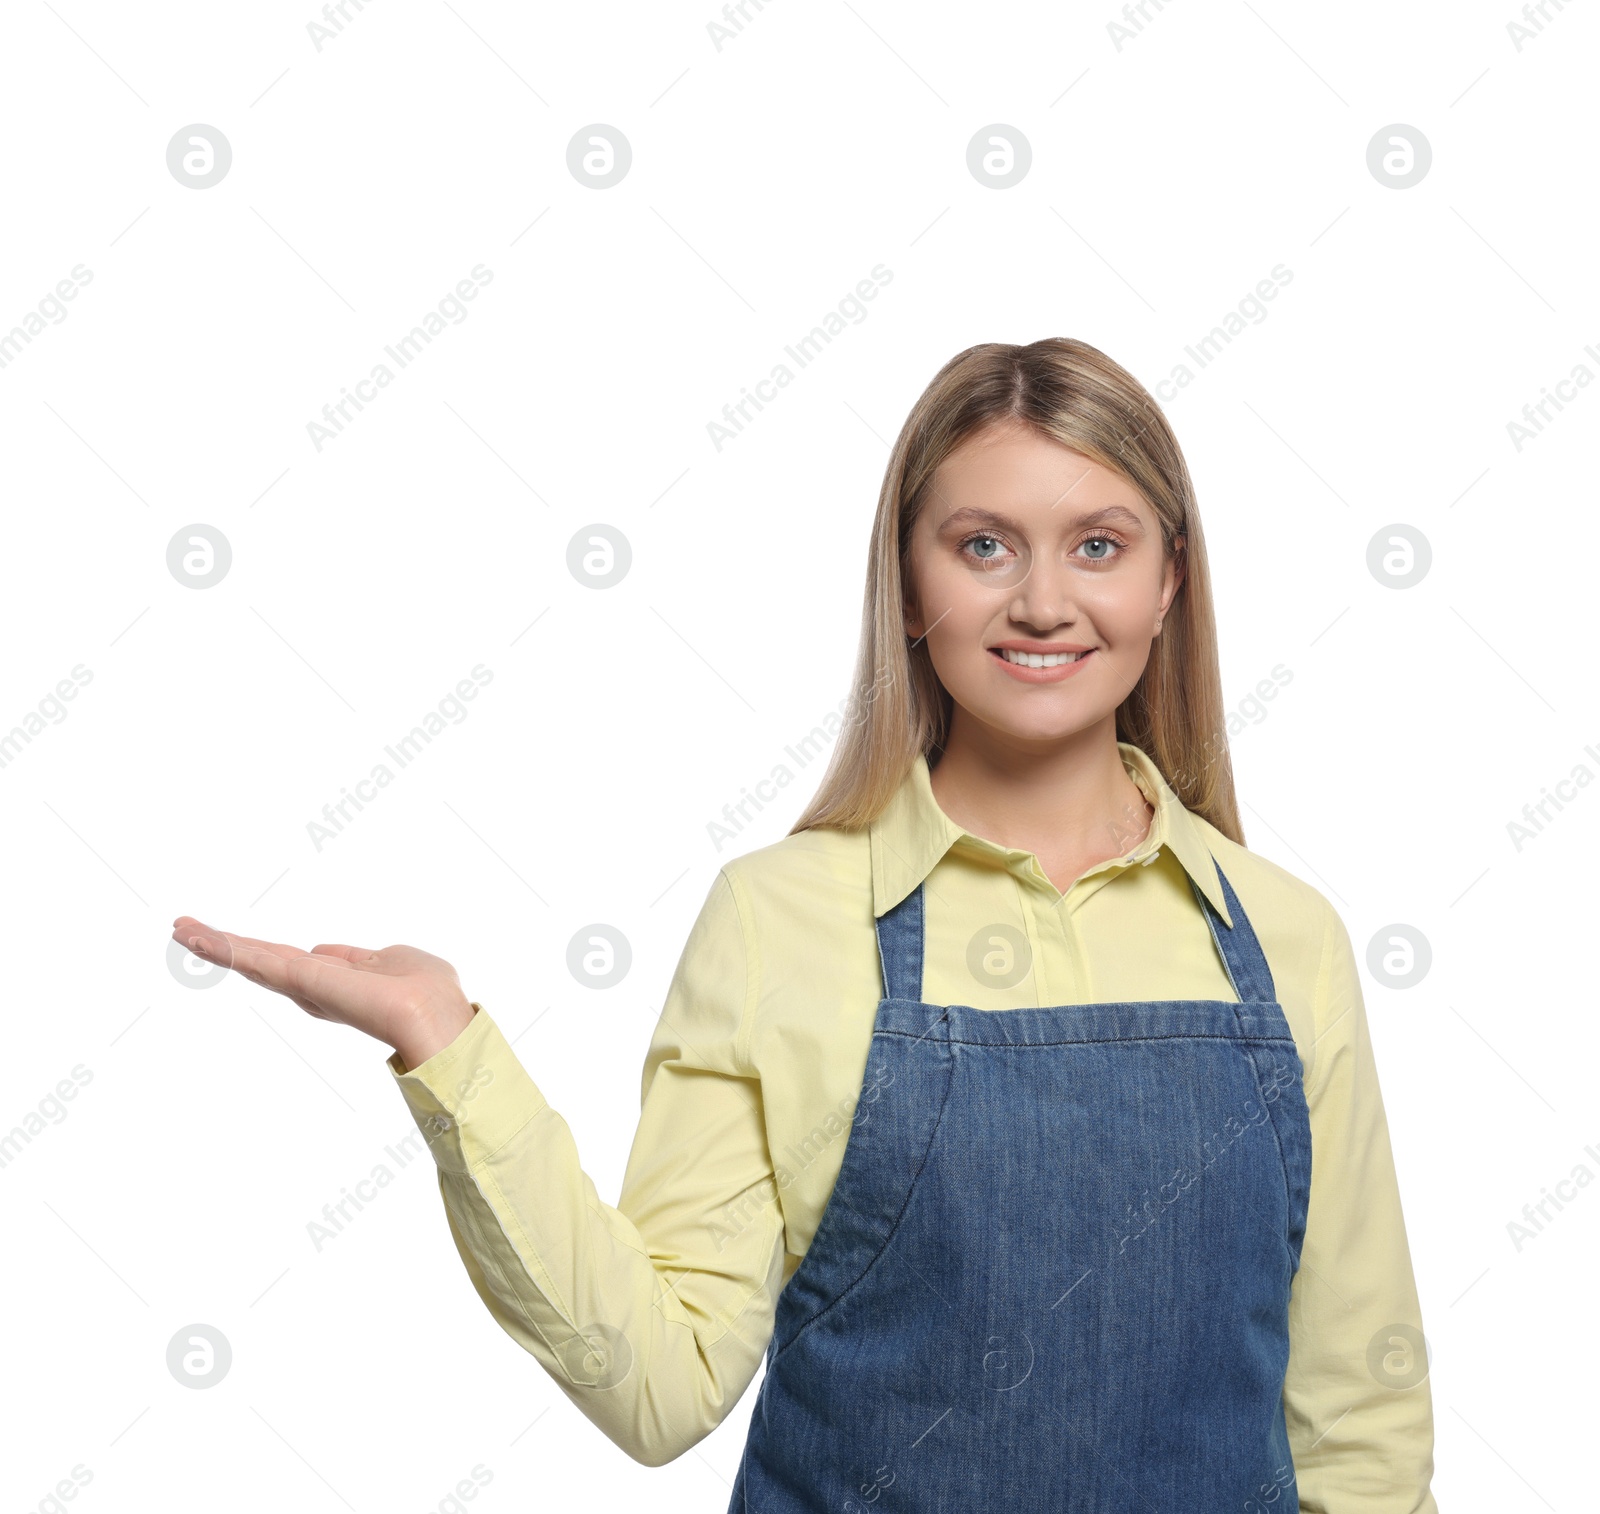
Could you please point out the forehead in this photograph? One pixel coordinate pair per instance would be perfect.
(1014, 474)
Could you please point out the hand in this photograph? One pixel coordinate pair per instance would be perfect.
(404, 997)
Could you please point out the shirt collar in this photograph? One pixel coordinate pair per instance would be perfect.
(913, 833)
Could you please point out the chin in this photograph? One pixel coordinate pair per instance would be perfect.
(1036, 728)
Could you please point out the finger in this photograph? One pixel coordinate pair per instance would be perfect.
(352, 954)
(222, 946)
(285, 969)
(187, 926)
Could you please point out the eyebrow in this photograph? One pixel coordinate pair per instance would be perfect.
(1104, 516)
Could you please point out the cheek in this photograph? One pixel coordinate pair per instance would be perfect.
(949, 594)
(958, 616)
(1123, 609)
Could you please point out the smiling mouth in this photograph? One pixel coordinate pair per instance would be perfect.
(1038, 659)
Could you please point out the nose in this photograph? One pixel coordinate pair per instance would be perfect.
(1045, 596)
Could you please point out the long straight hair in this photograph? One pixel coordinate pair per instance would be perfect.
(1076, 395)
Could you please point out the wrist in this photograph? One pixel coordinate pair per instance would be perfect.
(431, 1031)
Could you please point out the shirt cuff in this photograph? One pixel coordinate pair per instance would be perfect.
(469, 1098)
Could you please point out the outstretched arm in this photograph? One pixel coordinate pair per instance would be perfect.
(651, 1315)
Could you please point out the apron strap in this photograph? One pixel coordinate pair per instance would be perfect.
(1241, 952)
(900, 948)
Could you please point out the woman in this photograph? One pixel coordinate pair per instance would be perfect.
(1096, 1208)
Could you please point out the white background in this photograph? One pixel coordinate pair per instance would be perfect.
(769, 176)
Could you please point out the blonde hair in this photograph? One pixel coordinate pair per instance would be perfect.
(1076, 395)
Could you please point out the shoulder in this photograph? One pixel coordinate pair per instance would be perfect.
(804, 865)
(803, 873)
(1314, 971)
(767, 918)
(1267, 889)
(1299, 927)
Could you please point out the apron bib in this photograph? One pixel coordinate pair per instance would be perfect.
(1054, 1270)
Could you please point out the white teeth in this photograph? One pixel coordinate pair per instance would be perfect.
(1040, 659)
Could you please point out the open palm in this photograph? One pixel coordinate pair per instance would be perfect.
(401, 995)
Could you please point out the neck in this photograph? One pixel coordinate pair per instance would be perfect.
(1072, 796)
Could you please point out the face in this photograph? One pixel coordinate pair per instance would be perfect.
(1039, 580)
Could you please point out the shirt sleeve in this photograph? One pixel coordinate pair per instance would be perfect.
(651, 1316)
(1357, 1401)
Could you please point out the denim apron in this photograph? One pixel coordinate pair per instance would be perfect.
(1054, 1270)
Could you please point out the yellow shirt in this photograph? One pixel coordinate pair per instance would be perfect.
(664, 1303)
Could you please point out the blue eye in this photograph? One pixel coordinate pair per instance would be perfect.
(1107, 541)
(984, 550)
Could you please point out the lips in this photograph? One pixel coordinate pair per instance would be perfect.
(1035, 659)
(1028, 665)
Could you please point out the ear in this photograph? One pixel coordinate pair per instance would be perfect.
(1180, 563)
(912, 617)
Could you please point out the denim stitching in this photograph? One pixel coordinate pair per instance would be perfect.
(894, 1229)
